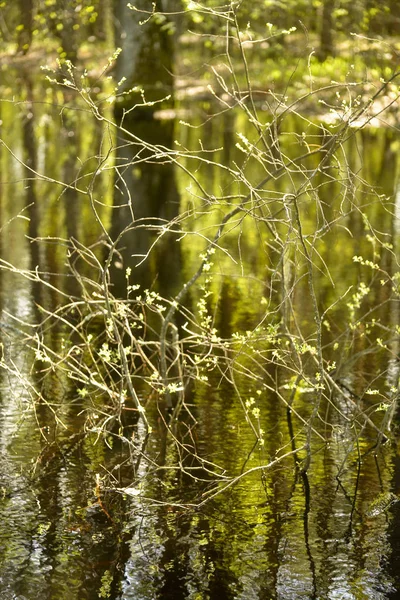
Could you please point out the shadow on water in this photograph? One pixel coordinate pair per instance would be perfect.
(279, 534)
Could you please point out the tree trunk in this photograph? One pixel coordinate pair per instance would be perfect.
(62, 27)
(25, 26)
(144, 191)
(146, 60)
(326, 37)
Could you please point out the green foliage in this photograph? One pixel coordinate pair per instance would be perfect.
(106, 582)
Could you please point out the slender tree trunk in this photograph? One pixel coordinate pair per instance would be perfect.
(327, 25)
(26, 22)
(66, 17)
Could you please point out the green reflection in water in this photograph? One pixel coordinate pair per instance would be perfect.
(274, 535)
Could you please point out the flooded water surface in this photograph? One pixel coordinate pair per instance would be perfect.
(221, 499)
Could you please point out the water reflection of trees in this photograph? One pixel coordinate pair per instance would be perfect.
(282, 531)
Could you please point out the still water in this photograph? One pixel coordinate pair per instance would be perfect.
(85, 515)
